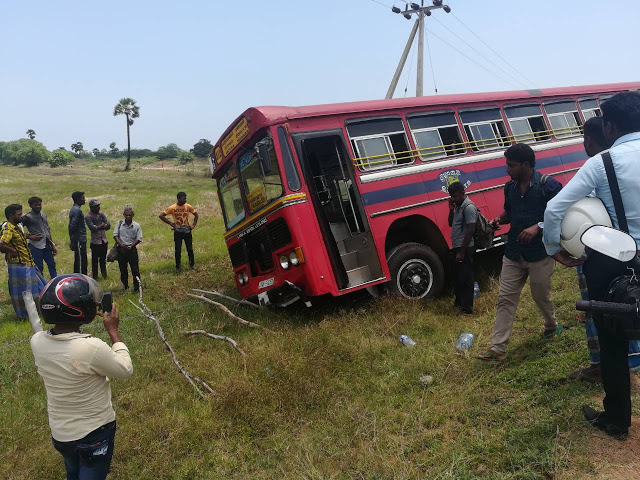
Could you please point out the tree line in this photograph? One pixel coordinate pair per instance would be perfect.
(29, 152)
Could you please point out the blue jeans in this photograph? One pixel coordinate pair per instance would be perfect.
(90, 457)
(45, 254)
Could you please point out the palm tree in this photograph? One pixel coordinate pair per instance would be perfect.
(128, 108)
(31, 134)
(95, 152)
(77, 147)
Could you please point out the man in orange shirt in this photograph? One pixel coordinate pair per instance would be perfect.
(181, 228)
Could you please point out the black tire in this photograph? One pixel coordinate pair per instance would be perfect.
(416, 271)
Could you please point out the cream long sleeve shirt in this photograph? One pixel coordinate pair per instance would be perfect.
(76, 368)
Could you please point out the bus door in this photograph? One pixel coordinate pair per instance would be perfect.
(337, 202)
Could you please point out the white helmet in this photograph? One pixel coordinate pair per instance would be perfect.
(578, 217)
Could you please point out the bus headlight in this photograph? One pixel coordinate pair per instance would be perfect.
(241, 278)
(284, 262)
(245, 277)
(293, 258)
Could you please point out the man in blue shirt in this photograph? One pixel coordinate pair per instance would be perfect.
(78, 234)
(621, 117)
(525, 200)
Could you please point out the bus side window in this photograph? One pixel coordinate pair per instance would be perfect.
(527, 123)
(589, 108)
(293, 180)
(564, 118)
(485, 128)
(379, 143)
(436, 135)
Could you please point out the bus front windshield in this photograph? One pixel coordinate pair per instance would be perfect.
(259, 181)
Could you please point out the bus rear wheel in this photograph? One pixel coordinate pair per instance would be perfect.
(416, 271)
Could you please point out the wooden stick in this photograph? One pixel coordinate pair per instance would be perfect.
(144, 310)
(230, 313)
(224, 339)
(217, 294)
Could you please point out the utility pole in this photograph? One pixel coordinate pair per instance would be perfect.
(418, 27)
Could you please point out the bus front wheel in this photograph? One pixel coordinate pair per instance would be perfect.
(416, 271)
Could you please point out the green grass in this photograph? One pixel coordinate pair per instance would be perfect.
(332, 394)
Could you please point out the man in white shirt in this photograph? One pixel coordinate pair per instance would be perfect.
(76, 367)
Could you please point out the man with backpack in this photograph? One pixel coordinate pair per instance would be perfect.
(463, 215)
(525, 200)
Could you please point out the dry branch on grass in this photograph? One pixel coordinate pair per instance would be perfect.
(144, 310)
(230, 313)
(223, 338)
(226, 297)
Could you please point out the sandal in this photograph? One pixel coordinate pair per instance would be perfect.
(553, 333)
(491, 356)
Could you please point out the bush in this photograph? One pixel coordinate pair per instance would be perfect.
(24, 152)
(186, 157)
(203, 148)
(60, 158)
(170, 151)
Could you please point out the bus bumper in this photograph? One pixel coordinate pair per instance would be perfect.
(282, 296)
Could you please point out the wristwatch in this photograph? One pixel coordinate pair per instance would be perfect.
(541, 225)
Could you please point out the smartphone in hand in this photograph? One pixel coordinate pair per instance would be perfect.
(107, 302)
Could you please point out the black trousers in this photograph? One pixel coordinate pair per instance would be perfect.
(463, 279)
(80, 257)
(599, 271)
(99, 254)
(129, 258)
(178, 237)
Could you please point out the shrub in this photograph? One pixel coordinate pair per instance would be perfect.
(202, 148)
(186, 157)
(24, 152)
(60, 158)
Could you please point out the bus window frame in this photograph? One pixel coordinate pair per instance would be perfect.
(223, 172)
(583, 110)
(472, 143)
(410, 153)
(570, 134)
(463, 148)
(547, 131)
(291, 150)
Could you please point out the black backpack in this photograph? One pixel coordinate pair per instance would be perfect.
(483, 233)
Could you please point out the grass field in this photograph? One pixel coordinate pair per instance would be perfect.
(332, 394)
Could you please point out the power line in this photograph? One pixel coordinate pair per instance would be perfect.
(472, 60)
(496, 53)
(481, 54)
(382, 4)
(433, 72)
(406, 87)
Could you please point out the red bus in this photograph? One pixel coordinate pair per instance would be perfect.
(330, 199)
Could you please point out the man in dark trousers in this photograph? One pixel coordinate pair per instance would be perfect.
(525, 200)
(40, 242)
(621, 119)
(98, 224)
(78, 234)
(181, 228)
(463, 214)
(128, 235)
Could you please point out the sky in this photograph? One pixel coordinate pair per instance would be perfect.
(194, 66)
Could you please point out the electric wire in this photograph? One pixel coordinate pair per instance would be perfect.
(496, 53)
(433, 72)
(413, 52)
(511, 84)
(481, 54)
(382, 4)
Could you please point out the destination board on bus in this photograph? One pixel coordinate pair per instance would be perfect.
(239, 132)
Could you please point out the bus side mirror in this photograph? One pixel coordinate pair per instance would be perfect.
(265, 158)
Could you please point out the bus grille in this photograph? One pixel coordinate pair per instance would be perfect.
(279, 233)
(260, 249)
(236, 252)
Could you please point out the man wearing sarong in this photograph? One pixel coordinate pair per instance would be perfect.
(23, 273)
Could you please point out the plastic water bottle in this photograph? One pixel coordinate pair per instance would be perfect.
(476, 290)
(464, 342)
(406, 341)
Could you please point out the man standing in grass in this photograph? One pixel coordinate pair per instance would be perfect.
(98, 224)
(78, 234)
(181, 228)
(128, 235)
(525, 200)
(40, 242)
(23, 273)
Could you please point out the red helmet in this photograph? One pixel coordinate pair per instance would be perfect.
(70, 298)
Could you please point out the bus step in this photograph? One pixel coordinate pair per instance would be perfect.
(349, 260)
(340, 231)
(359, 275)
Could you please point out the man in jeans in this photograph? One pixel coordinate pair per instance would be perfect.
(621, 120)
(463, 214)
(78, 369)
(98, 224)
(40, 242)
(525, 200)
(128, 235)
(78, 234)
(181, 228)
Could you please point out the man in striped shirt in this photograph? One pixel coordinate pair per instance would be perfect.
(23, 273)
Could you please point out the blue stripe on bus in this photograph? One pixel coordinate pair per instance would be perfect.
(428, 186)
